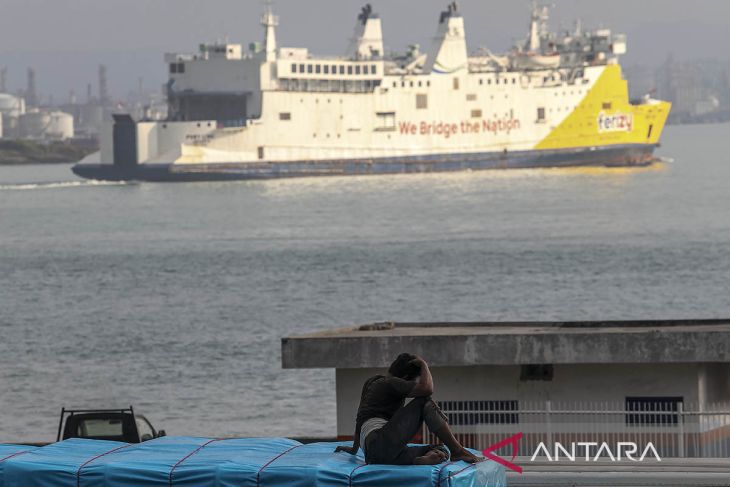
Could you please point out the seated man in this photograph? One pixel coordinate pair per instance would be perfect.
(385, 424)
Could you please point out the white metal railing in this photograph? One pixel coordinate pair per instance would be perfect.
(676, 430)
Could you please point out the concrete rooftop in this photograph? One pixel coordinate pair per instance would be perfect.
(512, 343)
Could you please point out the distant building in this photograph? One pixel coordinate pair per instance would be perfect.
(699, 89)
(680, 83)
(548, 379)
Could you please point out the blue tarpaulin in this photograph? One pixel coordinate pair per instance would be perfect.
(203, 462)
(10, 451)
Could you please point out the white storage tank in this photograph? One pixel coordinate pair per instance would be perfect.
(32, 125)
(61, 126)
(10, 126)
(46, 125)
(11, 105)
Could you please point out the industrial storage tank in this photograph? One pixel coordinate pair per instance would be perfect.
(11, 105)
(46, 125)
(61, 126)
(32, 125)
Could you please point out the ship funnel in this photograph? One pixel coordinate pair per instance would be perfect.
(269, 22)
(367, 42)
(448, 53)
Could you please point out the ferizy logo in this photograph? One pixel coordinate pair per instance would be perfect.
(617, 122)
(590, 451)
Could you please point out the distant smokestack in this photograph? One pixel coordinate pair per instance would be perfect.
(103, 88)
(3, 80)
(31, 95)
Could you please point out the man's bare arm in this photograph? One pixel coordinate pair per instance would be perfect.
(352, 450)
(424, 383)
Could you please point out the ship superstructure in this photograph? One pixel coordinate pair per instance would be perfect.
(270, 111)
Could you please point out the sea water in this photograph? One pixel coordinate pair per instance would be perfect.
(174, 297)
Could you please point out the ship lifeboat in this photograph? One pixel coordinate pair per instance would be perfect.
(532, 60)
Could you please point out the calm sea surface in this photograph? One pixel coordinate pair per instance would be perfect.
(174, 297)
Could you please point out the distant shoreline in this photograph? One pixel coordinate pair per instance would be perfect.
(26, 152)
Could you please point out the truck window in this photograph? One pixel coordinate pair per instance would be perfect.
(100, 427)
(144, 430)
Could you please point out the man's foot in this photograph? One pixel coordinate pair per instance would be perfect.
(434, 457)
(465, 456)
(442, 450)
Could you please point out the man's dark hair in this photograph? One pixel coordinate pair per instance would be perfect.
(404, 368)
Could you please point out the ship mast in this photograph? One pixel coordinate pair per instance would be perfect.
(270, 21)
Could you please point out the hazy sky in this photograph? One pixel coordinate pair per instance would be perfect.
(65, 40)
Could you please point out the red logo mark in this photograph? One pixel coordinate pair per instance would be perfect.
(512, 440)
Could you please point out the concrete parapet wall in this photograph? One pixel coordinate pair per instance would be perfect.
(515, 344)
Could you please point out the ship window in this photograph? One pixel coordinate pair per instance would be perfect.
(428, 83)
(180, 67)
(173, 68)
(310, 69)
(318, 69)
(607, 106)
(326, 69)
(374, 69)
(285, 116)
(301, 68)
(421, 102)
(471, 97)
(349, 70)
(261, 152)
(481, 82)
(357, 69)
(293, 68)
(514, 81)
(541, 114)
(412, 84)
(476, 114)
(386, 122)
(402, 84)
(395, 84)
(456, 83)
(342, 70)
(366, 70)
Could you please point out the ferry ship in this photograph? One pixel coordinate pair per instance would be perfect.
(263, 112)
